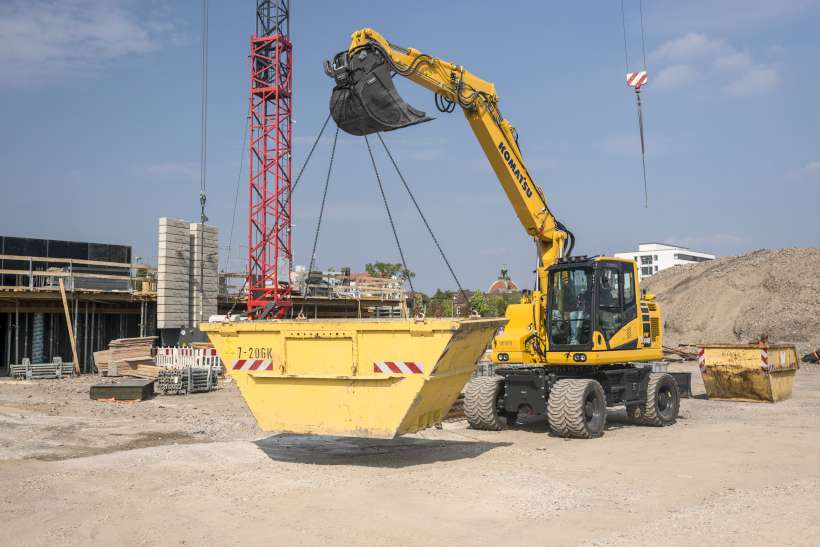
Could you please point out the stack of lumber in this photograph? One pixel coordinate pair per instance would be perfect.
(133, 357)
(101, 361)
(139, 367)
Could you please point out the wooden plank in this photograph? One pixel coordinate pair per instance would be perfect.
(70, 329)
(79, 261)
(83, 275)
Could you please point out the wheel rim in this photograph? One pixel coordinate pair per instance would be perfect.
(666, 401)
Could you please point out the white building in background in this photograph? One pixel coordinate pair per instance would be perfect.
(654, 257)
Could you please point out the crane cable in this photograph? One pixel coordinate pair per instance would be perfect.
(238, 180)
(390, 217)
(424, 219)
(310, 154)
(203, 162)
(637, 91)
(324, 199)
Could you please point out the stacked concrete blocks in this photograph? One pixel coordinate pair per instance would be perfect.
(204, 242)
(174, 274)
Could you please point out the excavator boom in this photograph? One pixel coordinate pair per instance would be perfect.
(365, 101)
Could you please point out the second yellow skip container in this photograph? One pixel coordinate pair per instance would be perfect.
(748, 372)
(364, 378)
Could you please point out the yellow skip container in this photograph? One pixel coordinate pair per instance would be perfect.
(359, 378)
(748, 372)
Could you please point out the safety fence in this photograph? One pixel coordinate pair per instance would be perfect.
(180, 357)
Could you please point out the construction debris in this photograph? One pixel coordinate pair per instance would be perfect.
(812, 357)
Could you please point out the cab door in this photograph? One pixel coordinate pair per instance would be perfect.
(616, 308)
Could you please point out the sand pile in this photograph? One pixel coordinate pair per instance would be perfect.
(736, 299)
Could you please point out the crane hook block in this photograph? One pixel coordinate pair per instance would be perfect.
(364, 99)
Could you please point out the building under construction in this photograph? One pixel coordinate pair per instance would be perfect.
(104, 295)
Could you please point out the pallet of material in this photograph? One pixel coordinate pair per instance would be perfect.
(139, 367)
(130, 356)
(101, 361)
(39, 371)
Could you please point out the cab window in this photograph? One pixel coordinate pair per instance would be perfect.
(617, 304)
(610, 301)
(570, 306)
(630, 308)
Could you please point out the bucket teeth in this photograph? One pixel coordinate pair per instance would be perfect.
(365, 100)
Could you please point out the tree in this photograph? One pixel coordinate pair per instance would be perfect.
(388, 270)
(440, 304)
(498, 302)
(479, 304)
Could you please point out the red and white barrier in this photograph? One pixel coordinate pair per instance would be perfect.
(179, 357)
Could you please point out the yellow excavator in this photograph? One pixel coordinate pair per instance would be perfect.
(582, 340)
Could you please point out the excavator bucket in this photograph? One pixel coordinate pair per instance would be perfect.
(358, 378)
(365, 100)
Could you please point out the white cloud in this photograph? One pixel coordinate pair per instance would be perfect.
(675, 76)
(696, 57)
(812, 168)
(758, 80)
(733, 60)
(687, 47)
(54, 39)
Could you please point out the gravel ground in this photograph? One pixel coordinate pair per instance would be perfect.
(194, 469)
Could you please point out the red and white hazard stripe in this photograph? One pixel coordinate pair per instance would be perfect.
(398, 367)
(764, 358)
(701, 360)
(252, 364)
(637, 79)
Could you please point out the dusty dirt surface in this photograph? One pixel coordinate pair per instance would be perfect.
(738, 298)
(194, 470)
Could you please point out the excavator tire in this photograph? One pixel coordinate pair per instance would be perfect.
(662, 402)
(576, 409)
(481, 403)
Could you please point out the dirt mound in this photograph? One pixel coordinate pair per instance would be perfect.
(736, 299)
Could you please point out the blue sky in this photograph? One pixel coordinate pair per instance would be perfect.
(100, 103)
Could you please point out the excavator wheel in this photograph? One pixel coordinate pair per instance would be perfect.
(481, 403)
(577, 409)
(662, 402)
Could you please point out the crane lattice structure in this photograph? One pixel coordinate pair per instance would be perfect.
(269, 226)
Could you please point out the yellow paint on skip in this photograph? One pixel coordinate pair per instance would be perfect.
(322, 379)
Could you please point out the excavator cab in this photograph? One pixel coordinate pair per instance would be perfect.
(591, 301)
(365, 100)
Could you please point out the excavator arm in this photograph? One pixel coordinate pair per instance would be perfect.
(365, 101)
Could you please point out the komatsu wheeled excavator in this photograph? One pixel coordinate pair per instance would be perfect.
(582, 339)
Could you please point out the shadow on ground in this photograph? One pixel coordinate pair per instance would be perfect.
(391, 453)
(615, 419)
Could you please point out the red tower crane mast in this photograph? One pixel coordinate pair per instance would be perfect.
(269, 223)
